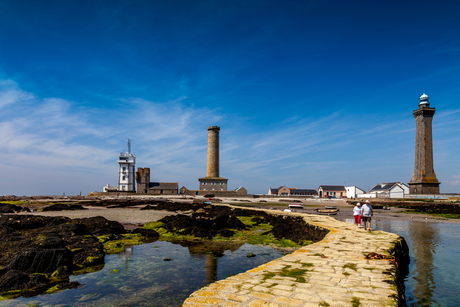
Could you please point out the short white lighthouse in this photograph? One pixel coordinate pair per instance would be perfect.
(126, 170)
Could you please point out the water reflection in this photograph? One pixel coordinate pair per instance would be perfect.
(211, 251)
(424, 243)
(140, 276)
(434, 249)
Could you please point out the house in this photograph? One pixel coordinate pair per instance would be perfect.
(168, 188)
(285, 191)
(144, 186)
(332, 191)
(354, 191)
(240, 191)
(390, 190)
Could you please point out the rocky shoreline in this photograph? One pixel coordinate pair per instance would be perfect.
(42, 247)
(45, 241)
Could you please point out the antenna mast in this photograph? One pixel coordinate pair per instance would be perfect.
(129, 146)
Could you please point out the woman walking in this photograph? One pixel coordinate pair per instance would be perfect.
(357, 214)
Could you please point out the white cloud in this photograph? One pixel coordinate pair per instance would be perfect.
(76, 147)
(10, 93)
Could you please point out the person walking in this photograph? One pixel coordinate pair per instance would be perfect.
(357, 214)
(367, 213)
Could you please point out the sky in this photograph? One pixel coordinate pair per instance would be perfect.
(306, 93)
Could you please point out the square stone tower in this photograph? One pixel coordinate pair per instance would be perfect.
(212, 181)
(424, 179)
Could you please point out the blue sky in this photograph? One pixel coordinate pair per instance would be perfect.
(306, 93)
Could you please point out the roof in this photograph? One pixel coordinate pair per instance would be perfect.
(332, 187)
(212, 178)
(275, 190)
(304, 191)
(163, 185)
(383, 186)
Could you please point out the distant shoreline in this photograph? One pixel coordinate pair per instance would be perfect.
(131, 216)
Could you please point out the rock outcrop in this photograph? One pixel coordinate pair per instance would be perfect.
(40, 252)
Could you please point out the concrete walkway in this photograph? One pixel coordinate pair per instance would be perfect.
(333, 272)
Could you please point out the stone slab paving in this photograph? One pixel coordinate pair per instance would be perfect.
(332, 272)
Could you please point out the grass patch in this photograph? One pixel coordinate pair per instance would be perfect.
(351, 266)
(355, 302)
(443, 215)
(324, 304)
(294, 273)
(268, 275)
(13, 202)
(287, 271)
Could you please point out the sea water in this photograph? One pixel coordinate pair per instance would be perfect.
(434, 249)
(154, 274)
(165, 274)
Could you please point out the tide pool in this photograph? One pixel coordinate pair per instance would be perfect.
(154, 274)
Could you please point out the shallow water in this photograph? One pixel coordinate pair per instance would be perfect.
(433, 279)
(141, 277)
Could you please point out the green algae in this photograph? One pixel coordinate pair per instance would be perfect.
(355, 302)
(118, 246)
(351, 266)
(89, 269)
(287, 271)
(257, 233)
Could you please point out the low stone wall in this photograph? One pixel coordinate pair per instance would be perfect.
(349, 267)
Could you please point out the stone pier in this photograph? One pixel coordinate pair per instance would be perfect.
(349, 267)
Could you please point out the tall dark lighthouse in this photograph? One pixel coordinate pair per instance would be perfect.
(424, 179)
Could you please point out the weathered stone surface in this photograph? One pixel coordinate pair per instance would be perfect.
(34, 246)
(332, 272)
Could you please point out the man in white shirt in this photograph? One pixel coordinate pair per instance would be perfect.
(366, 213)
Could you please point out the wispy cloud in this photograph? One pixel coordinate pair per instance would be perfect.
(76, 147)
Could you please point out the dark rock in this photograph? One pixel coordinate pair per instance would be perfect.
(34, 248)
(61, 207)
(149, 233)
(13, 280)
(99, 226)
(36, 260)
(87, 251)
(8, 208)
(18, 222)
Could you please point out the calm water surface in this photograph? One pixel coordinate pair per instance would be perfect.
(434, 272)
(141, 277)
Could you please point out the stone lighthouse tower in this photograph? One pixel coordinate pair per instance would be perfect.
(424, 179)
(212, 181)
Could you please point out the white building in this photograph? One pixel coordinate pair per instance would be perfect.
(354, 191)
(390, 190)
(126, 170)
